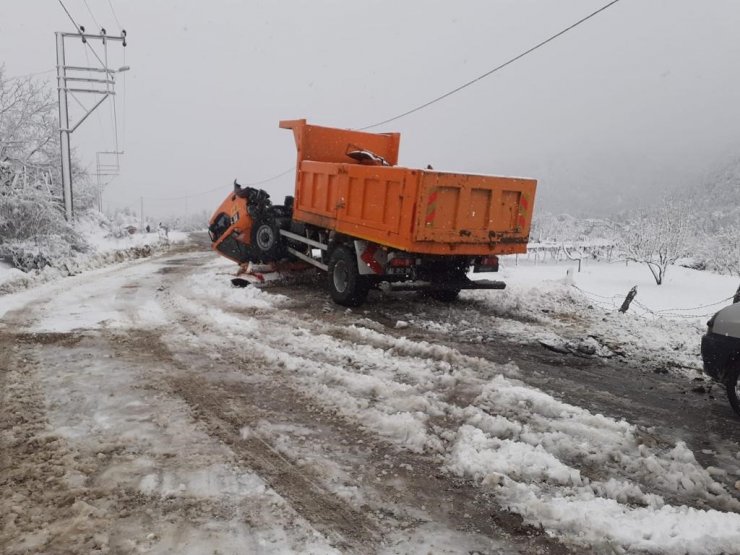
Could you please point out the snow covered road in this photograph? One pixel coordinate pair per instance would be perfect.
(152, 408)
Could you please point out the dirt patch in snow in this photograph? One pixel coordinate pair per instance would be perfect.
(41, 505)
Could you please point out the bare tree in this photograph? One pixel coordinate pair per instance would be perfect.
(725, 250)
(658, 237)
(31, 218)
(28, 131)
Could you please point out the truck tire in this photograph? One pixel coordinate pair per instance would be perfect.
(346, 285)
(267, 241)
(732, 386)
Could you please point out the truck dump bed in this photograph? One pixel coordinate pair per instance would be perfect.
(419, 211)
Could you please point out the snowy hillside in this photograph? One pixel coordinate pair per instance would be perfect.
(719, 197)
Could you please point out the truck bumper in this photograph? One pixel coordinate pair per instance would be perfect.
(451, 285)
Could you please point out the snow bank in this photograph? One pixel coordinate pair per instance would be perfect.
(105, 249)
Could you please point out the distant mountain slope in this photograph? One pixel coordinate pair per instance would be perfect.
(718, 199)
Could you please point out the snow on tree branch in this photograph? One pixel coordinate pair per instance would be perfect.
(659, 236)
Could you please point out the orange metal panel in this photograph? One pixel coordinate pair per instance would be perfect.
(420, 211)
(372, 197)
(462, 208)
(327, 144)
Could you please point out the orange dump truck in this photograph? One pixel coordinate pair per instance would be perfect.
(370, 223)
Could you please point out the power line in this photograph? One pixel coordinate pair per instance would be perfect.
(69, 15)
(113, 11)
(16, 77)
(447, 94)
(92, 15)
(219, 188)
(422, 106)
(455, 90)
(492, 71)
(80, 31)
(123, 107)
(115, 122)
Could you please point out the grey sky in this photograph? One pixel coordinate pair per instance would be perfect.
(642, 97)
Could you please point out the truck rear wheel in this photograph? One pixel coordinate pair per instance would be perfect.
(346, 285)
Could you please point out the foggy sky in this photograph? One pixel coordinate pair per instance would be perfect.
(645, 96)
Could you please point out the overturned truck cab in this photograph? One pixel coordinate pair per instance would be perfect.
(246, 226)
(368, 222)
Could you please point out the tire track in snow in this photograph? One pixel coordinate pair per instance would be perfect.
(351, 365)
(307, 358)
(72, 487)
(226, 405)
(409, 485)
(348, 529)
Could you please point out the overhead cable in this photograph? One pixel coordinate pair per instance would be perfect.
(221, 187)
(430, 102)
(82, 34)
(492, 71)
(92, 15)
(34, 74)
(113, 11)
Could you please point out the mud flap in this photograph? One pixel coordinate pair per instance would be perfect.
(371, 258)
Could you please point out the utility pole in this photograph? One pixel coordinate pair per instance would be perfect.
(71, 80)
(64, 129)
(107, 168)
(141, 214)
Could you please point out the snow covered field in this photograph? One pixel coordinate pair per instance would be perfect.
(566, 310)
(686, 293)
(183, 415)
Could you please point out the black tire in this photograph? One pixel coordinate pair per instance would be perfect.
(732, 387)
(346, 285)
(266, 241)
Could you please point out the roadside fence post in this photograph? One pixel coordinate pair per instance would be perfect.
(628, 300)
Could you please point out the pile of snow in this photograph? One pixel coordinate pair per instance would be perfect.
(589, 476)
(104, 236)
(103, 246)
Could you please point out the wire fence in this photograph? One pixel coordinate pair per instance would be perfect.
(689, 313)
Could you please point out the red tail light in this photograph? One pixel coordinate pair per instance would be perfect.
(490, 261)
(486, 264)
(399, 262)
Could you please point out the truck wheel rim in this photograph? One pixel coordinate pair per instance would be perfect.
(340, 276)
(265, 238)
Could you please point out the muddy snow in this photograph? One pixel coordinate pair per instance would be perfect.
(152, 408)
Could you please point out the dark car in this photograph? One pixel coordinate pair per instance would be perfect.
(720, 350)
